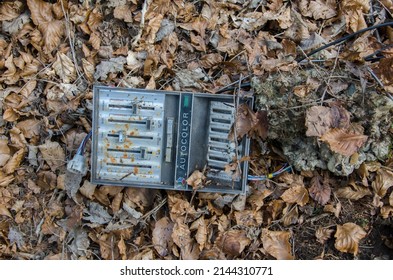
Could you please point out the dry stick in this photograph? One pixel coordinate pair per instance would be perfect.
(145, 6)
(71, 42)
(328, 81)
(155, 209)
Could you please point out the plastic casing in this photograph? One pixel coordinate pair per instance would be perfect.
(156, 139)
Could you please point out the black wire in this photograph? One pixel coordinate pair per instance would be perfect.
(347, 37)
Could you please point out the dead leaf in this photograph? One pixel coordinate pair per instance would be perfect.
(323, 234)
(256, 199)
(383, 181)
(343, 142)
(352, 191)
(88, 189)
(162, 236)
(123, 12)
(297, 194)
(10, 115)
(4, 211)
(290, 215)
(30, 127)
(196, 180)
(248, 218)
(276, 243)
(386, 211)
(347, 238)
(5, 152)
(200, 225)
(10, 10)
(53, 154)
(233, 242)
(318, 120)
(51, 29)
(15, 161)
(320, 189)
(64, 68)
(181, 237)
(96, 214)
(88, 69)
(210, 60)
(113, 65)
(335, 210)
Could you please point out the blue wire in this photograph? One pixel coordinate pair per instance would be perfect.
(274, 174)
(81, 148)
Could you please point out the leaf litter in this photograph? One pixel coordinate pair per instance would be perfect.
(51, 54)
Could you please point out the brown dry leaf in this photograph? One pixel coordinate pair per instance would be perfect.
(383, 181)
(53, 154)
(352, 191)
(142, 198)
(386, 211)
(276, 243)
(200, 226)
(10, 10)
(233, 242)
(5, 152)
(297, 194)
(347, 238)
(343, 142)
(4, 211)
(88, 189)
(323, 234)
(210, 60)
(30, 127)
(257, 197)
(52, 29)
(5, 180)
(196, 180)
(162, 236)
(320, 189)
(123, 12)
(198, 42)
(15, 161)
(290, 215)
(10, 115)
(181, 236)
(88, 69)
(260, 125)
(64, 68)
(248, 218)
(321, 9)
(245, 118)
(318, 120)
(152, 27)
(335, 210)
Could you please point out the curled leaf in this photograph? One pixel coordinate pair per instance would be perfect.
(233, 242)
(323, 234)
(347, 238)
(196, 180)
(383, 181)
(162, 236)
(320, 190)
(276, 243)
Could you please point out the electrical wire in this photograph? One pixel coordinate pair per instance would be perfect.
(283, 169)
(82, 146)
(345, 38)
